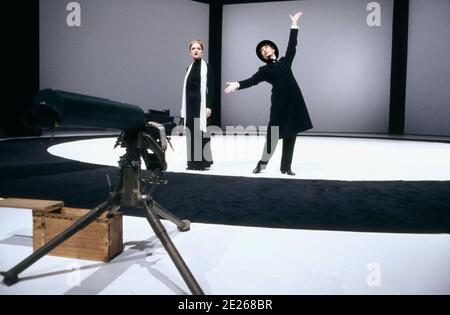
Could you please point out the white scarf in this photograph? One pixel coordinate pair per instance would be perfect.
(203, 77)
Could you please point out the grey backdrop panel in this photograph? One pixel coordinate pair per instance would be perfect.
(342, 65)
(428, 75)
(133, 51)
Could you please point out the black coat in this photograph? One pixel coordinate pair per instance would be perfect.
(288, 110)
(193, 90)
(193, 97)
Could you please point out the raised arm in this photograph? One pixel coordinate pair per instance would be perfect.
(295, 18)
(291, 49)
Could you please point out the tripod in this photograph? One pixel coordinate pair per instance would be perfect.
(129, 193)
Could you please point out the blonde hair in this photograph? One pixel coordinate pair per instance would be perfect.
(198, 41)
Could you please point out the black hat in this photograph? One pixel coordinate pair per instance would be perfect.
(262, 43)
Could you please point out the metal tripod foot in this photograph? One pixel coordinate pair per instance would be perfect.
(9, 278)
(182, 225)
(161, 233)
(185, 226)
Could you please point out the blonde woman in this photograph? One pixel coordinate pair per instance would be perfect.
(196, 108)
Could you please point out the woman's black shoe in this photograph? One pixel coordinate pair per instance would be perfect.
(259, 167)
(288, 172)
(198, 167)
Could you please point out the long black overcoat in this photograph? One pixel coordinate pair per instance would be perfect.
(288, 109)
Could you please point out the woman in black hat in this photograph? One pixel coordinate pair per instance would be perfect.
(288, 111)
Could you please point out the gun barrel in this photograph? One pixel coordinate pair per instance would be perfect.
(55, 107)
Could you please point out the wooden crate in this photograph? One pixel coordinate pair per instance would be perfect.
(101, 240)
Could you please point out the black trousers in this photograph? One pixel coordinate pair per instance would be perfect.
(198, 145)
(271, 145)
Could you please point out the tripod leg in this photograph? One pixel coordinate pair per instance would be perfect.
(161, 233)
(11, 276)
(182, 225)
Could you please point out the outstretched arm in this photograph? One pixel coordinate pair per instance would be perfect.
(254, 80)
(291, 49)
(231, 87)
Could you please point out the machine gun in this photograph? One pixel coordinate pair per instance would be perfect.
(139, 135)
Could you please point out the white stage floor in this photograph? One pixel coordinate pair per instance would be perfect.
(236, 260)
(232, 260)
(324, 158)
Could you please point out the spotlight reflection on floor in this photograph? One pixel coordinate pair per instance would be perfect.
(325, 158)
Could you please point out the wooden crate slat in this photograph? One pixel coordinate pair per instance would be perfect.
(34, 204)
